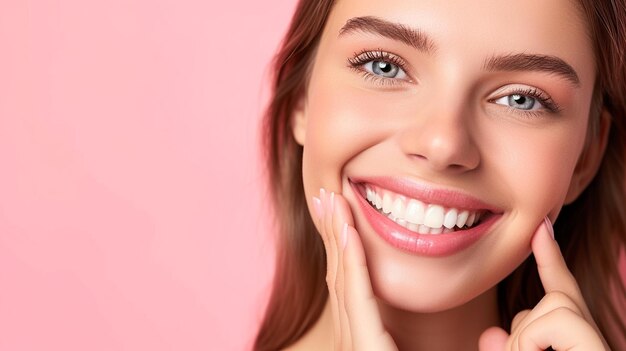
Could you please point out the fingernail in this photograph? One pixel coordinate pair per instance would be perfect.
(332, 202)
(549, 226)
(317, 204)
(344, 236)
(322, 194)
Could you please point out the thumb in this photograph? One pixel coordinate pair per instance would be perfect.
(493, 339)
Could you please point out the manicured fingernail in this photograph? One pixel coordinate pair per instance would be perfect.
(322, 194)
(332, 202)
(317, 203)
(549, 226)
(344, 236)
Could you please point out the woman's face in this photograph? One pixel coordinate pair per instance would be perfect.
(450, 109)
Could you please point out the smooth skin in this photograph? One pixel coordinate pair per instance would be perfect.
(561, 320)
(446, 123)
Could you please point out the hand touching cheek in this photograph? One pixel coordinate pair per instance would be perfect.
(356, 319)
(561, 319)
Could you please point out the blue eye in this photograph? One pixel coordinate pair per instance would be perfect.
(384, 69)
(520, 102)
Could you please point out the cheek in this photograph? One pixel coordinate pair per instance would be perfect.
(534, 166)
(341, 123)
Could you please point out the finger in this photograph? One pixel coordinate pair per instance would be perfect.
(552, 301)
(331, 266)
(319, 215)
(553, 271)
(341, 218)
(326, 227)
(493, 339)
(518, 319)
(366, 327)
(561, 329)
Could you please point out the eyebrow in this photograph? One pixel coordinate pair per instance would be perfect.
(422, 42)
(396, 31)
(531, 62)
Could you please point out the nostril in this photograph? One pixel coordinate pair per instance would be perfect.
(440, 165)
(455, 166)
(418, 157)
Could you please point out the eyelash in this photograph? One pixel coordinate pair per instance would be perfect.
(544, 99)
(360, 58)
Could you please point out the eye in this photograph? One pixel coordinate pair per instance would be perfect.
(380, 66)
(520, 101)
(524, 99)
(385, 69)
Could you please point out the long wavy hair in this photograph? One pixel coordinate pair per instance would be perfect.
(591, 231)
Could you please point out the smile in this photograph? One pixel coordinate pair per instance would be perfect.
(418, 216)
(420, 219)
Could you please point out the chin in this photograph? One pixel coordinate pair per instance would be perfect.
(420, 286)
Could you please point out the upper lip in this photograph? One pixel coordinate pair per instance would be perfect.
(427, 193)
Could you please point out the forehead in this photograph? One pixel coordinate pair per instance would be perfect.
(473, 30)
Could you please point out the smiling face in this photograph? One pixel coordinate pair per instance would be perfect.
(449, 113)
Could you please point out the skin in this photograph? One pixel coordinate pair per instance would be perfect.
(446, 125)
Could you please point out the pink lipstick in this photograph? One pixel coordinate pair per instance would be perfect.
(458, 233)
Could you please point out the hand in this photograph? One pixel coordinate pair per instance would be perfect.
(561, 319)
(356, 319)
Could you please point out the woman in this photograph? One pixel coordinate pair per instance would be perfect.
(446, 137)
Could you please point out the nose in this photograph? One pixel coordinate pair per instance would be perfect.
(442, 140)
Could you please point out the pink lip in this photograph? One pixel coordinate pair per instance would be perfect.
(424, 244)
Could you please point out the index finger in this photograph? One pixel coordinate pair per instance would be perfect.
(553, 271)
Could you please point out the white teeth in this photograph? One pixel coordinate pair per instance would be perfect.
(371, 196)
(401, 222)
(379, 202)
(434, 216)
(418, 216)
(387, 203)
(415, 212)
(436, 230)
(471, 219)
(462, 218)
(397, 209)
(449, 220)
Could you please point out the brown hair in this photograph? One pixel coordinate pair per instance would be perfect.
(591, 230)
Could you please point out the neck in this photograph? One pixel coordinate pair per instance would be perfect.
(455, 329)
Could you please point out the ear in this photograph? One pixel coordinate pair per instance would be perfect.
(590, 159)
(299, 121)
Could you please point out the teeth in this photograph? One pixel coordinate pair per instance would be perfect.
(418, 216)
(436, 231)
(387, 203)
(401, 222)
(379, 202)
(434, 216)
(449, 221)
(415, 212)
(462, 218)
(471, 219)
(397, 209)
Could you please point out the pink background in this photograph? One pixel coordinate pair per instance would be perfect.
(130, 190)
(131, 198)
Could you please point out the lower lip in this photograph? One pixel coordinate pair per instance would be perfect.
(422, 244)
